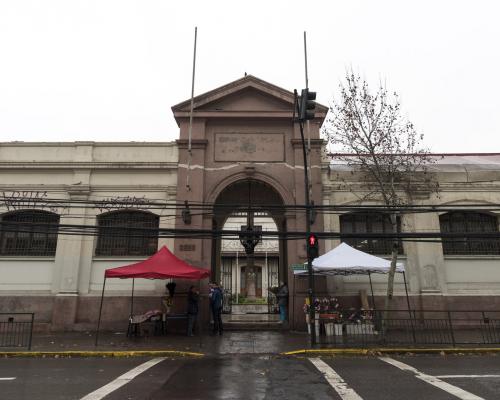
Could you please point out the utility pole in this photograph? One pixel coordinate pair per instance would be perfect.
(305, 110)
(305, 107)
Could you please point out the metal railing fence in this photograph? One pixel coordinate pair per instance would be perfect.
(415, 328)
(16, 329)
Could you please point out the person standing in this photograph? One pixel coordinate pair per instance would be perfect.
(216, 301)
(282, 296)
(192, 311)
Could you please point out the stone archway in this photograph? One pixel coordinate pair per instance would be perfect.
(249, 201)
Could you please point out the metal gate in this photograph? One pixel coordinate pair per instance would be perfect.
(272, 281)
(227, 283)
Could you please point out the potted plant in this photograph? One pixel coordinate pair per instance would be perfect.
(367, 322)
(331, 316)
(360, 322)
(317, 313)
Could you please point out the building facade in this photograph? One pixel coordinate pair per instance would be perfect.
(241, 162)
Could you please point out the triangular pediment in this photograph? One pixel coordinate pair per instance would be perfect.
(247, 99)
(246, 94)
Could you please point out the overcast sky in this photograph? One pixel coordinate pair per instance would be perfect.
(109, 70)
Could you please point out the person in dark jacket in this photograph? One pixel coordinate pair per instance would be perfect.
(192, 311)
(216, 301)
(282, 296)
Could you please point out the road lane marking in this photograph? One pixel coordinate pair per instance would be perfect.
(433, 380)
(122, 380)
(8, 379)
(335, 380)
(466, 376)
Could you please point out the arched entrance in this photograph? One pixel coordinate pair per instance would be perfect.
(240, 132)
(249, 263)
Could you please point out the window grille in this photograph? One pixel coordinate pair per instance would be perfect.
(29, 233)
(227, 273)
(469, 222)
(127, 233)
(369, 223)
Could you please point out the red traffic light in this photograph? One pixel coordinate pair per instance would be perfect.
(313, 240)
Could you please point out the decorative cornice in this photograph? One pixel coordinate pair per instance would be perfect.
(78, 192)
(171, 191)
(195, 143)
(126, 189)
(86, 165)
(235, 114)
(84, 143)
(315, 143)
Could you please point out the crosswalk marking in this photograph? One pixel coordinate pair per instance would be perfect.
(432, 380)
(466, 376)
(122, 380)
(335, 380)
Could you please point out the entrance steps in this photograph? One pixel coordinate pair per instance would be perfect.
(251, 322)
(244, 309)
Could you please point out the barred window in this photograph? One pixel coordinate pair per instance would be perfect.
(469, 222)
(29, 233)
(369, 223)
(127, 233)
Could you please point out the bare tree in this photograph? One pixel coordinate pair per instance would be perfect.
(383, 150)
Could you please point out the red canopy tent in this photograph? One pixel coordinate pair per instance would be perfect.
(161, 265)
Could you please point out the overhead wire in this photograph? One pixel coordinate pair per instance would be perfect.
(127, 231)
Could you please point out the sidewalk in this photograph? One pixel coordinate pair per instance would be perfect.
(232, 342)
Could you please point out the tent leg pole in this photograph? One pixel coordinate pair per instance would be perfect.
(406, 291)
(132, 299)
(199, 321)
(100, 313)
(371, 288)
(409, 308)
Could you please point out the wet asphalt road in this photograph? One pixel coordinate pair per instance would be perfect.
(248, 377)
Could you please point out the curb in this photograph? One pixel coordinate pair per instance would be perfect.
(377, 351)
(83, 354)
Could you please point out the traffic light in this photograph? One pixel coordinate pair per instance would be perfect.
(312, 246)
(307, 105)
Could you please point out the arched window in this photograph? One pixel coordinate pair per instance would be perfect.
(29, 233)
(127, 233)
(369, 223)
(469, 222)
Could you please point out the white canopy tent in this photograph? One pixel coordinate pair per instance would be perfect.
(346, 260)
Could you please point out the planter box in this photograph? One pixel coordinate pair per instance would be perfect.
(353, 329)
(330, 316)
(316, 324)
(367, 329)
(333, 329)
(329, 329)
(359, 329)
